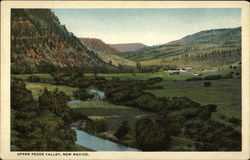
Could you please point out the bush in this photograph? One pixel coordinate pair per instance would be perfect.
(213, 77)
(151, 136)
(99, 78)
(194, 79)
(155, 79)
(207, 84)
(155, 87)
(82, 94)
(96, 126)
(211, 107)
(228, 76)
(75, 116)
(234, 120)
(122, 130)
(34, 78)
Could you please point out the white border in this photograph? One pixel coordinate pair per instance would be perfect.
(5, 76)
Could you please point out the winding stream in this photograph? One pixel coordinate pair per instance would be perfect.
(100, 94)
(95, 143)
(98, 144)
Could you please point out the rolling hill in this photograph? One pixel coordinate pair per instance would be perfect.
(98, 45)
(211, 48)
(105, 52)
(38, 39)
(128, 47)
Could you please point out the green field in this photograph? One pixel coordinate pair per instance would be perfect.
(37, 88)
(226, 94)
(114, 117)
(26, 76)
(165, 76)
(97, 105)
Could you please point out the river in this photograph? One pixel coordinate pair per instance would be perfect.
(95, 143)
(98, 144)
(100, 93)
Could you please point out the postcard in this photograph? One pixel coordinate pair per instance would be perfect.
(125, 80)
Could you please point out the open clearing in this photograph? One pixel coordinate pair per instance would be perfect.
(37, 88)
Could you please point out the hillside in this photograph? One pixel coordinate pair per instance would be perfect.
(211, 48)
(105, 52)
(128, 47)
(38, 40)
(115, 60)
(98, 45)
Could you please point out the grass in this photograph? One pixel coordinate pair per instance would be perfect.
(37, 89)
(26, 76)
(224, 93)
(116, 60)
(102, 117)
(163, 75)
(114, 117)
(145, 76)
(137, 76)
(97, 105)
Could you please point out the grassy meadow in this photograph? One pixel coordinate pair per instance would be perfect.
(225, 93)
(37, 88)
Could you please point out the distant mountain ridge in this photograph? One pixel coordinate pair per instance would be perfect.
(98, 45)
(128, 47)
(219, 38)
(213, 35)
(38, 39)
(210, 48)
(105, 52)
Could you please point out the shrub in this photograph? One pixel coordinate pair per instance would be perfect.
(155, 87)
(228, 76)
(99, 78)
(122, 130)
(96, 126)
(75, 116)
(211, 107)
(16, 78)
(151, 136)
(234, 120)
(34, 78)
(207, 84)
(156, 79)
(213, 77)
(82, 94)
(194, 79)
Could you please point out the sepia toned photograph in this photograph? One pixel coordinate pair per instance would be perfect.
(126, 80)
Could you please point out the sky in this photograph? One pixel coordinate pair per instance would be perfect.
(147, 26)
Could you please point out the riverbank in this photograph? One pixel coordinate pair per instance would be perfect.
(81, 126)
(87, 140)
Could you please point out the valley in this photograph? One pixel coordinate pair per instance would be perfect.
(222, 93)
(184, 95)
